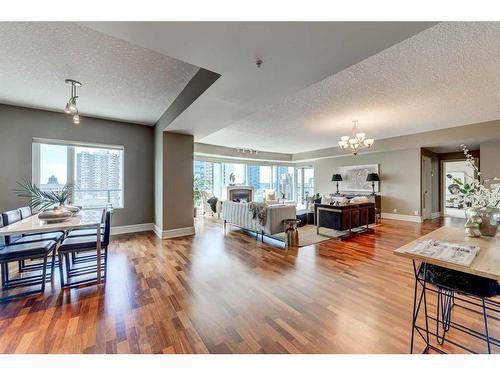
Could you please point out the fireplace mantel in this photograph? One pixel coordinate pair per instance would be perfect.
(240, 191)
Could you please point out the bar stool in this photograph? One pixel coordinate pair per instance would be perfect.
(451, 286)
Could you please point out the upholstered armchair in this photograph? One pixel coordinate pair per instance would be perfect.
(270, 196)
(205, 196)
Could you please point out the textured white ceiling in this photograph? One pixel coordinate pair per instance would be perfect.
(295, 54)
(121, 81)
(445, 76)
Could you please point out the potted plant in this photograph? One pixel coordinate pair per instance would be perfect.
(484, 201)
(53, 203)
(199, 185)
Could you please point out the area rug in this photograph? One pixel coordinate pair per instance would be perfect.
(308, 235)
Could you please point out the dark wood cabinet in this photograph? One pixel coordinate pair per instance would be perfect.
(343, 218)
(377, 199)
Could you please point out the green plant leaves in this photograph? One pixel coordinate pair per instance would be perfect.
(40, 199)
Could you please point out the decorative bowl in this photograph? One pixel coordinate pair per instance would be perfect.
(55, 215)
(74, 209)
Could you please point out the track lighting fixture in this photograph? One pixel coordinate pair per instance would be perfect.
(71, 108)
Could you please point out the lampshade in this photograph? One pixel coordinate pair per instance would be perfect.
(336, 177)
(372, 177)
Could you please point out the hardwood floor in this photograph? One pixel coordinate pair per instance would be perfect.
(216, 293)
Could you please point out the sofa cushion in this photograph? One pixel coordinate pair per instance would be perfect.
(341, 201)
(270, 195)
(361, 199)
(326, 200)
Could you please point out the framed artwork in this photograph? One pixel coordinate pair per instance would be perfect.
(354, 177)
(451, 186)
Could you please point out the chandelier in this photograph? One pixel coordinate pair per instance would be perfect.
(71, 108)
(356, 140)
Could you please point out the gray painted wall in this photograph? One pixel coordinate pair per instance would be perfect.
(19, 125)
(399, 174)
(490, 159)
(200, 82)
(177, 181)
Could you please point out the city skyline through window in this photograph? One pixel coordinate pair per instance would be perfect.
(54, 164)
(287, 181)
(96, 173)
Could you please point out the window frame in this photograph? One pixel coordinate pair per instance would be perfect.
(218, 163)
(71, 167)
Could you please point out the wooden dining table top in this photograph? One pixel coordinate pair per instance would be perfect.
(486, 263)
(88, 218)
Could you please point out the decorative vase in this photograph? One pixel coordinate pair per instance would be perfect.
(490, 219)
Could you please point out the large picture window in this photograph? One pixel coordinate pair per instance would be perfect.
(290, 183)
(95, 171)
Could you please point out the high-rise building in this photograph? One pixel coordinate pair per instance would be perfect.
(52, 184)
(253, 175)
(204, 170)
(284, 182)
(286, 185)
(98, 170)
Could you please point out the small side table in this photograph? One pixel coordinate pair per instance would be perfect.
(291, 232)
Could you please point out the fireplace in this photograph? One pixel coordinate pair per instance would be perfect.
(241, 193)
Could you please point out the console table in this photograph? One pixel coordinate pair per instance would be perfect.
(374, 198)
(350, 218)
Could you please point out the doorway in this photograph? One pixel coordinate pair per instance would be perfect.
(426, 187)
(457, 174)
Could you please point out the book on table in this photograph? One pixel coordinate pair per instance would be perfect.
(445, 251)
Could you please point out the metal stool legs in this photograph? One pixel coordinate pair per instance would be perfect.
(486, 333)
(444, 307)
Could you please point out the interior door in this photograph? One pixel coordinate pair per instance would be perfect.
(426, 187)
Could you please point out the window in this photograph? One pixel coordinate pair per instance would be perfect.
(236, 170)
(304, 186)
(289, 182)
(261, 178)
(96, 172)
(284, 182)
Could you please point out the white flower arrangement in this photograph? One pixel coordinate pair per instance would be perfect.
(480, 195)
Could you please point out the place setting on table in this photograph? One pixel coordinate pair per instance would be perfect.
(461, 266)
(57, 229)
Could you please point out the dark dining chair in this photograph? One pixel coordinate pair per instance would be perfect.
(19, 252)
(86, 263)
(13, 216)
(25, 212)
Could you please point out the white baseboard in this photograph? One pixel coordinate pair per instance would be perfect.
(123, 229)
(172, 233)
(415, 219)
(435, 215)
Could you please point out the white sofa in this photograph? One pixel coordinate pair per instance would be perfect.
(239, 214)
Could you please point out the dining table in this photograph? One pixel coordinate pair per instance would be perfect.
(84, 219)
(486, 264)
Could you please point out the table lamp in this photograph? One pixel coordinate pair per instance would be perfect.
(337, 178)
(372, 177)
